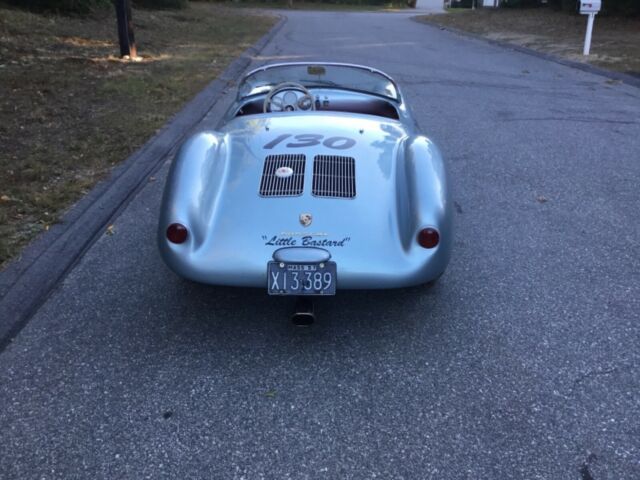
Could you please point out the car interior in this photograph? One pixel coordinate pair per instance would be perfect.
(319, 99)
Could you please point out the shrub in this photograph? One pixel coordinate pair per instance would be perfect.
(334, 2)
(84, 6)
(161, 3)
(622, 7)
(566, 5)
(520, 3)
(77, 6)
(615, 7)
(461, 3)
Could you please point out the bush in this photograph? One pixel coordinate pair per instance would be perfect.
(78, 6)
(615, 7)
(461, 3)
(565, 5)
(622, 7)
(333, 2)
(161, 3)
(520, 3)
(84, 6)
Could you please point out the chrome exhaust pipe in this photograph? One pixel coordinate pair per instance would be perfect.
(303, 315)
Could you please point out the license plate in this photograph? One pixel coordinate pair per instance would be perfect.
(301, 278)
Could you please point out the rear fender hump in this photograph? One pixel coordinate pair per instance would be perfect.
(427, 190)
(193, 186)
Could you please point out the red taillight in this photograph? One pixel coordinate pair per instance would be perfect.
(177, 233)
(428, 237)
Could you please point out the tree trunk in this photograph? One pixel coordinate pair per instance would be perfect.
(133, 51)
(125, 29)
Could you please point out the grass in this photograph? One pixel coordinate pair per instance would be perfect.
(70, 109)
(615, 44)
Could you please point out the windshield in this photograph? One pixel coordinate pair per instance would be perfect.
(319, 75)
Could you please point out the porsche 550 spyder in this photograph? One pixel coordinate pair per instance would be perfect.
(316, 180)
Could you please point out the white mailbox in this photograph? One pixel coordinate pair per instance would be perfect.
(590, 6)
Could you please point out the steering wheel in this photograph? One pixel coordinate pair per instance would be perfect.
(286, 102)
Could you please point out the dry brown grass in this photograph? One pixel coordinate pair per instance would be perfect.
(70, 109)
(616, 40)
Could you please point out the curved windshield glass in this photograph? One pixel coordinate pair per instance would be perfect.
(319, 75)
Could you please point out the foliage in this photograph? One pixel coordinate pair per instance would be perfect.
(77, 6)
(520, 3)
(161, 3)
(84, 6)
(461, 3)
(615, 7)
(623, 7)
(565, 5)
(268, 3)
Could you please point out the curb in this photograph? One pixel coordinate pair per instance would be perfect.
(585, 67)
(28, 281)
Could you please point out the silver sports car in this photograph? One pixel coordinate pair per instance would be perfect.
(317, 180)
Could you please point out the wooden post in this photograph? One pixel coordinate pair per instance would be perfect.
(125, 28)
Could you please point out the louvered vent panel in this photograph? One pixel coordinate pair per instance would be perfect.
(273, 186)
(334, 176)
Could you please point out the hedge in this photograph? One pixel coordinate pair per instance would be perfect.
(78, 6)
(616, 7)
(84, 6)
(333, 2)
(161, 3)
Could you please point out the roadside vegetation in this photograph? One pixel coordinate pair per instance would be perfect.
(322, 5)
(609, 7)
(83, 6)
(613, 7)
(615, 45)
(71, 109)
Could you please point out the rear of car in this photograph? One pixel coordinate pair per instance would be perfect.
(304, 204)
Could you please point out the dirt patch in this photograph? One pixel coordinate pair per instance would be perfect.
(70, 109)
(615, 45)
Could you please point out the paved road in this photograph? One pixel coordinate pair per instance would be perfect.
(522, 363)
(429, 6)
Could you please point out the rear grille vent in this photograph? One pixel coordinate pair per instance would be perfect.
(334, 176)
(281, 185)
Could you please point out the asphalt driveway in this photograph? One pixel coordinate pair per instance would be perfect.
(523, 362)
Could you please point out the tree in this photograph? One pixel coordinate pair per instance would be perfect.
(125, 29)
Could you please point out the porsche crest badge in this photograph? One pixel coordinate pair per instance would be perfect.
(284, 172)
(306, 219)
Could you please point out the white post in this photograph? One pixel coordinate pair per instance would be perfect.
(587, 38)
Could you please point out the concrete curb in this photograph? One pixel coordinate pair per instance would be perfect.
(29, 280)
(585, 67)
